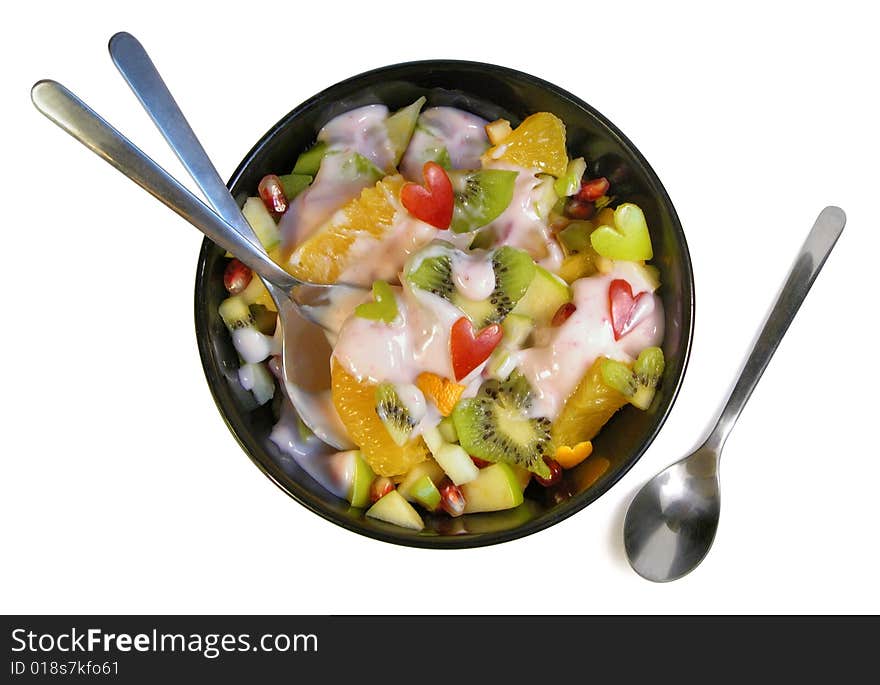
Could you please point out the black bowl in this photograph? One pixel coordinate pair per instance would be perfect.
(491, 92)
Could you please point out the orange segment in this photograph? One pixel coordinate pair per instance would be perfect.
(569, 457)
(587, 409)
(443, 392)
(356, 404)
(323, 256)
(537, 143)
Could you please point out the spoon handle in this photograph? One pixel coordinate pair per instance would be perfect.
(807, 266)
(76, 118)
(140, 73)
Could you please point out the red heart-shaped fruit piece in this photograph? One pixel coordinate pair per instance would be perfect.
(432, 203)
(626, 311)
(470, 350)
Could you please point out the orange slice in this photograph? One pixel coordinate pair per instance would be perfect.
(569, 457)
(537, 143)
(586, 410)
(324, 254)
(443, 392)
(355, 403)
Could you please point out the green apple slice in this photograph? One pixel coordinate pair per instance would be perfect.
(576, 236)
(570, 182)
(447, 429)
(426, 493)
(545, 295)
(457, 464)
(628, 239)
(544, 196)
(309, 161)
(362, 478)
(394, 509)
(262, 222)
(496, 488)
(429, 468)
(400, 127)
(516, 329)
(294, 184)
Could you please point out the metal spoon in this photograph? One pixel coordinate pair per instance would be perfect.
(302, 341)
(72, 115)
(671, 523)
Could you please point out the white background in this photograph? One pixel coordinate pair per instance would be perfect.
(121, 490)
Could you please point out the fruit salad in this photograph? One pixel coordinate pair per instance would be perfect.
(506, 309)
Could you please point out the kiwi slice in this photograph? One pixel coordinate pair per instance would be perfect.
(394, 415)
(494, 426)
(235, 313)
(514, 271)
(639, 383)
(480, 197)
(434, 273)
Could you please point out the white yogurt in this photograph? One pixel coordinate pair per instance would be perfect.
(333, 471)
(362, 130)
(473, 275)
(252, 345)
(416, 341)
(412, 399)
(371, 259)
(555, 366)
(462, 134)
(520, 225)
(334, 185)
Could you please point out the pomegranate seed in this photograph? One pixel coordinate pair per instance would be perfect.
(451, 499)
(562, 314)
(380, 487)
(480, 463)
(555, 473)
(236, 277)
(272, 193)
(579, 209)
(592, 190)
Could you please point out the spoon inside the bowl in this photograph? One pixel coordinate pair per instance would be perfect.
(75, 117)
(305, 349)
(671, 523)
(72, 115)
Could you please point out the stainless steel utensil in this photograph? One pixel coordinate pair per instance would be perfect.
(297, 357)
(72, 115)
(671, 522)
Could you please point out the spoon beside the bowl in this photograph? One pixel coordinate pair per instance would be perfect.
(671, 523)
(72, 115)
